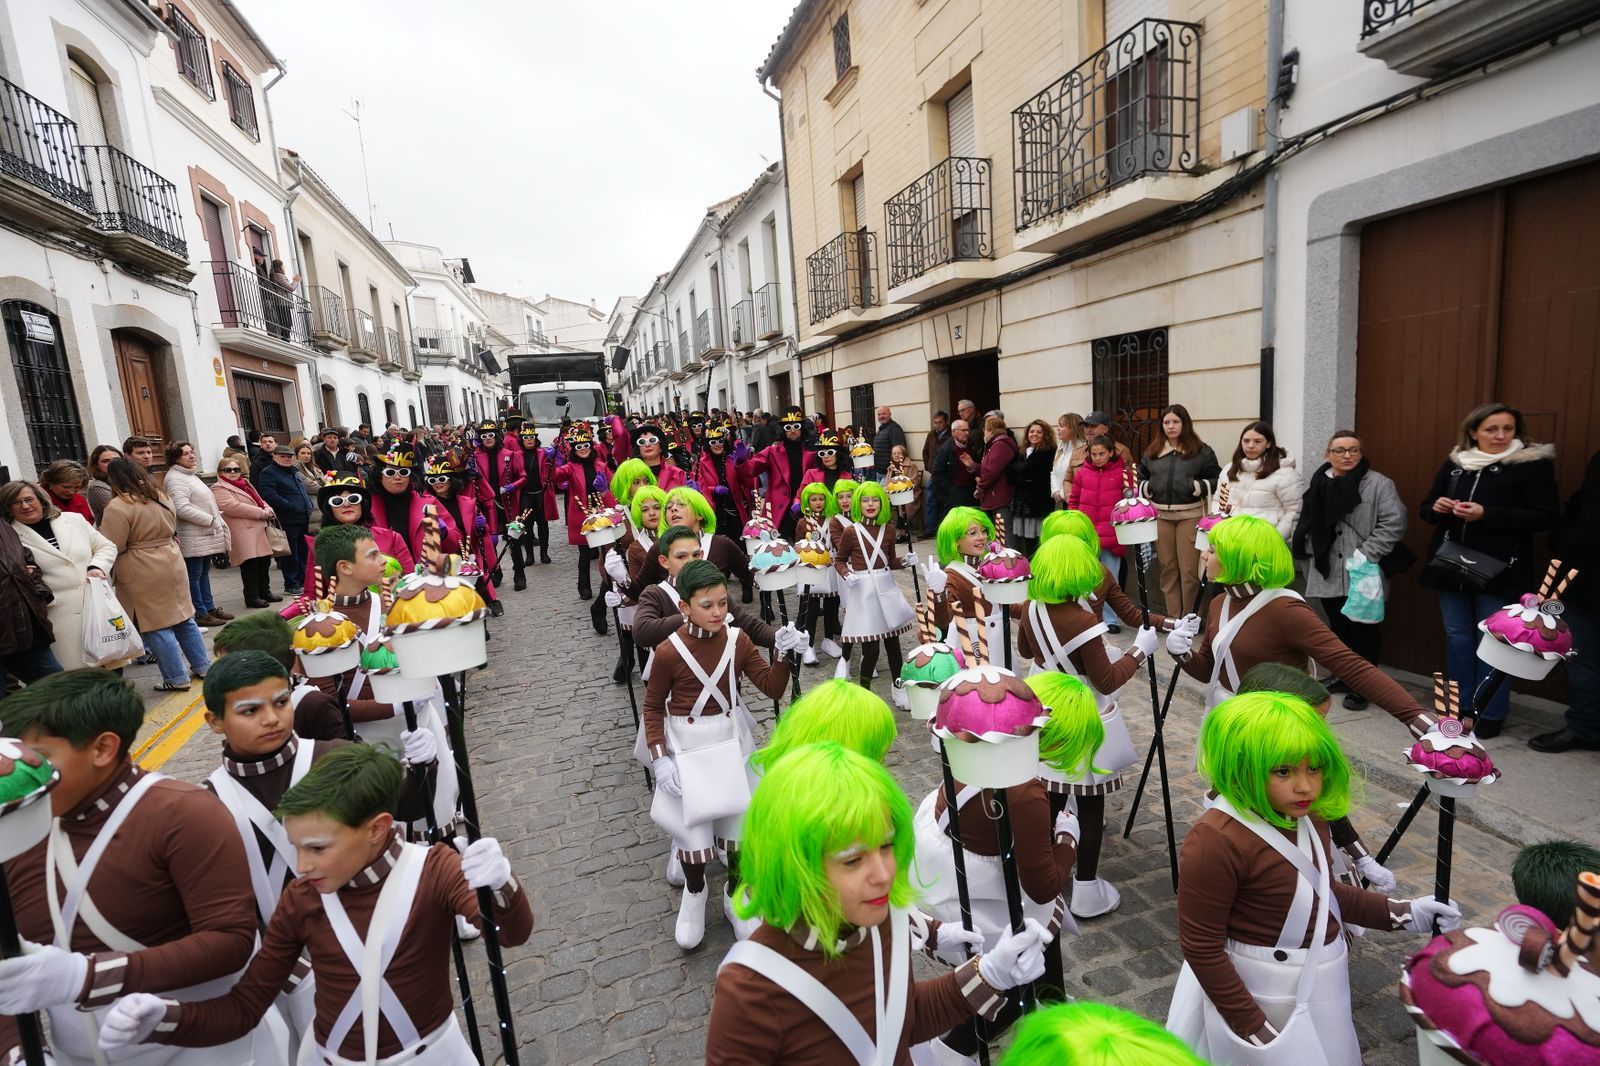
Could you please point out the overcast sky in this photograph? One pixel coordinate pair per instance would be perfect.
(568, 148)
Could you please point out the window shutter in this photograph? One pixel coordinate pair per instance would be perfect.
(84, 103)
(1123, 15)
(963, 124)
(426, 312)
(858, 191)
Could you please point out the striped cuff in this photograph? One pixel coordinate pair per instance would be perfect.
(170, 1020)
(506, 893)
(108, 971)
(984, 1000)
(658, 751)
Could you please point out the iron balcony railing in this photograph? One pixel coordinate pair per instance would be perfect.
(942, 217)
(194, 57)
(687, 356)
(434, 345)
(843, 274)
(742, 323)
(327, 313)
(707, 333)
(1132, 108)
(129, 197)
(1379, 15)
(668, 362)
(251, 300)
(39, 145)
(769, 310)
(363, 333)
(393, 353)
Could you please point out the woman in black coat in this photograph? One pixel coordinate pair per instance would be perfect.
(1031, 475)
(1492, 494)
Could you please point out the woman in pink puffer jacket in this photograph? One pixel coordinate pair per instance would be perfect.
(1096, 488)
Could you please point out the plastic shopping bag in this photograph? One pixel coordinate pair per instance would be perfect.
(109, 638)
(1363, 600)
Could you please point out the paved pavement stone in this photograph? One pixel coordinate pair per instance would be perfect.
(601, 980)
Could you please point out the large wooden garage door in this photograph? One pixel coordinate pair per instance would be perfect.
(1490, 297)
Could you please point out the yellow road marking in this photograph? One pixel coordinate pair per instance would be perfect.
(168, 740)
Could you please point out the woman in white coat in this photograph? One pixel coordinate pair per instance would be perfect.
(202, 532)
(68, 551)
(1262, 479)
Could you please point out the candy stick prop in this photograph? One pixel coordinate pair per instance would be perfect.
(1142, 554)
(1578, 941)
(1450, 696)
(1161, 717)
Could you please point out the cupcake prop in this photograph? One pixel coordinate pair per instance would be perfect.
(1522, 992)
(927, 666)
(435, 625)
(602, 525)
(901, 490)
(759, 528)
(1133, 518)
(1003, 574)
(816, 567)
(26, 780)
(861, 455)
(389, 685)
(775, 565)
(1528, 638)
(327, 642)
(1202, 528)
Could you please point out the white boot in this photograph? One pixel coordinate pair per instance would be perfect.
(897, 695)
(742, 927)
(674, 868)
(831, 647)
(945, 1055)
(842, 671)
(691, 926)
(1090, 899)
(810, 657)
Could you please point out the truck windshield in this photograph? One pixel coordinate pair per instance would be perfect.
(549, 408)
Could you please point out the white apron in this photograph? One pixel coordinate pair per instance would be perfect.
(1224, 672)
(1305, 995)
(75, 1034)
(874, 605)
(993, 632)
(1116, 752)
(935, 868)
(445, 1046)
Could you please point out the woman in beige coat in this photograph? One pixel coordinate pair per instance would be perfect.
(152, 583)
(68, 552)
(201, 531)
(246, 514)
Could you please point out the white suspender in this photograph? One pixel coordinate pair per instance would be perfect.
(967, 794)
(247, 811)
(1056, 655)
(370, 637)
(58, 856)
(709, 683)
(872, 556)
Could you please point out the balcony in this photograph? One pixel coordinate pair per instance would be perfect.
(1115, 140)
(1429, 38)
(434, 347)
(259, 318)
(41, 168)
(688, 356)
(742, 324)
(940, 231)
(363, 337)
(393, 353)
(328, 320)
(842, 280)
(708, 339)
(136, 208)
(769, 311)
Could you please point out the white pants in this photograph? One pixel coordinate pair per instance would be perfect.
(445, 1046)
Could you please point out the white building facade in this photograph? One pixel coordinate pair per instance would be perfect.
(450, 334)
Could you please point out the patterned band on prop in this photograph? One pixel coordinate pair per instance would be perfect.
(1222, 499)
(320, 586)
(1549, 577)
(925, 628)
(1000, 530)
(430, 536)
(1578, 941)
(435, 623)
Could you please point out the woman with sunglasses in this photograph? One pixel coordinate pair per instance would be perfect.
(583, 477)
(827, 471)
(721, 476)
(446, 479)
(649, 443)
(537, 498)
(345, 500)
(785, 463)
(247, 515)
(398, 505)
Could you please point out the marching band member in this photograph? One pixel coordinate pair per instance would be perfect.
(875, 610)
(398, 506)
(722, 476)
(785, 463)
(448, 482)
(583, 475)
(538, 497)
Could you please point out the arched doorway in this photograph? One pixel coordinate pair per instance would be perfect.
(140, 373)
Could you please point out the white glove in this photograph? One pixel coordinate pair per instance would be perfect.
(617, 567)
(1424, 909)
(788, 639)
(484, 865)
(1017, 959)
(418, 746)
(131, 1020)
(910, 561)
(1147, 639)
(666, 773)
(1379, 877)
(956, 945)
(1179, 643)
(1067, 825)
(934, 574)
(1189, 623)
(613, 598)
(42, 976)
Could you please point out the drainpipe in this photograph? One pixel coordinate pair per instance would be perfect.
(788, 227)
(1269, 216)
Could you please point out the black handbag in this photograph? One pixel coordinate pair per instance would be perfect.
(1400, 559)
(1471, 567)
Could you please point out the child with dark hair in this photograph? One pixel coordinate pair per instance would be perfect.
(316, 714)
(355, 872)
(1544, 875)
(142, 887)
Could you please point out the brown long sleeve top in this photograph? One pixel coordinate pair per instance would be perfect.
(1232, 885)
(1044, 862)
(754, 1021)
(1127, 612)
(317, 716)
(673, 688)
(1089, 659)
(851, 554)
(958, 588)
(174, 878)
(1286, 630)
(659, 616)
(723, 551)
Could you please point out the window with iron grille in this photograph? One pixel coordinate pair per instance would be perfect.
(49, 405)
(438, 401)
(194, 57)
(366, 408)
(862, 410)
(841, 45)
(1130, 383)
(241, 101)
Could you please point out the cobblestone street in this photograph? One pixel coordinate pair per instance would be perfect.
(602, 981)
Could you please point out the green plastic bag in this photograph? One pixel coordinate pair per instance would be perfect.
(1363, 599)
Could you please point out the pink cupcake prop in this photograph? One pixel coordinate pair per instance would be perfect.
(1449, 756)
(1526, 639)
(1003, 575)
(989, 720)
(1133, 518)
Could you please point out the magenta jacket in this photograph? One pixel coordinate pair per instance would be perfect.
(1094, 492)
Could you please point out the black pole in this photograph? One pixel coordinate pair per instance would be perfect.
(463, 982)
(794, 660)
(491, 930)
(963, 895)
(633, 701)
(1142, 555)
(1161, 721)
(1008, 868)
(911, 544)
(1401, 826)
(29, 1035)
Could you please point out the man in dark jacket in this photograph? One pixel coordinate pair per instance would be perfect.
(25, 633)
(261, 458)
(883, 445)
(280, 486)
(930, 451)
(1577, 543)
(954, 475)
(327, 456)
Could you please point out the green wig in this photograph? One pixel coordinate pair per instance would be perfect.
(238, 670)
(629, 472)
(1289, 680)
(954, 526)
(1251, 551)
(645, 494)
(697, 503)
(266, 631)
(77, 706)
(836, 710)
(671, 535)
(1094, 1034)
(810, 492)
(698, 574)
(1545, 875)
(352, 784)
(337, 544)
(1073, 734)
(1075, 523)
(818, 800)
(875, 491)
(1245, 738)
(1064, 570)
(844, 490)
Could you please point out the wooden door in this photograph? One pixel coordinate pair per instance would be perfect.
(141, 393)
(976, 378)
(212, 220)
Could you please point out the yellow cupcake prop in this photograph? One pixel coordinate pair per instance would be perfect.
(861, 454)
(436, 625)
(900, 490)
(327, 642)
(816, 566)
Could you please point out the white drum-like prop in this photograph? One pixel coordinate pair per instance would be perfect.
(393, 686)
(1202, 543)
(924, 699)
(817, 579)
(330, 662)
(1134, 532)
(24, 825)
(599, 538)
(1517, 663)
(1449, 787)
(862, 462)
(1000, 764)
(1004, 591)
(430, 653)
(777, 580)
(903, 497)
